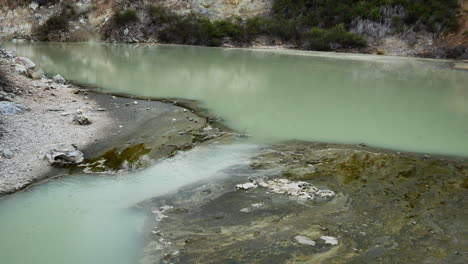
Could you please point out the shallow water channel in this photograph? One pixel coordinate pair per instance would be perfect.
(398, 103)
(89, 219)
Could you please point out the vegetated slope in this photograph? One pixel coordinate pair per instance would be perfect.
(401, 27)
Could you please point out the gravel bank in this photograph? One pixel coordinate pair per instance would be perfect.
(25, 136)
(124, 134)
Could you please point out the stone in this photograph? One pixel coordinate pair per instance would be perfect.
(27, 63)
(125, 32)
(59, 79)
(304, 240)
(34, 5)
(64, 154)
(246, 186)
(9, 108)
(34, 74)
(4, 96)
(329, 240)
(298, 189)
(21, 69)
(80, 118)
(6, 153)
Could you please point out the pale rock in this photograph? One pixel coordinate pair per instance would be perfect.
(21, 69)
(64, 154)
(304, 240)
(59, 79)
(6, 153)
(80, 118)
(246, 186)
(27, 63)
(329, 240)
(9, 108)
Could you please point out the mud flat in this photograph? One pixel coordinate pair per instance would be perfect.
(387, 207)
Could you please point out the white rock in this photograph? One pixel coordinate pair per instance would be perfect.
(257, 205)
(298, 189)
(64, 154)
(21, 69)
(9, 108)
(329, 240)
(304, 240)
(27, 63)
(246, 186)
(59, 79)
(34, 5)
(125, 31)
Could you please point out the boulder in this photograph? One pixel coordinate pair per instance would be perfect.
(27, 63)
(21, 69)
(34, 74)
(59, 79)
(9, 108)
(80, 118)
(64, 154)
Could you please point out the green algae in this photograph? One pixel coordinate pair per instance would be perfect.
(115, 160)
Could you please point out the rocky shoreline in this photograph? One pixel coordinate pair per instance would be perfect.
(383, 207)
(115, 133)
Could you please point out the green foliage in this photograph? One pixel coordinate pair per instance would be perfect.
(429, 13)
(127, 16)
(56, 22)
(275, 26)
(159, 15)
(325, 39)
(199, 30)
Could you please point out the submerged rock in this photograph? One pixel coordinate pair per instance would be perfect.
(80, 118)
(64, 154)
(59, 79)
(9, 108)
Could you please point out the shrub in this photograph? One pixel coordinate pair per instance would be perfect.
(328, 39)
(159, 15)
(275, 26)
(429, 13)
(127, 16)
(57, 22)
(199, 30)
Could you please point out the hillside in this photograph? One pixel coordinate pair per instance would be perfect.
(429, 28)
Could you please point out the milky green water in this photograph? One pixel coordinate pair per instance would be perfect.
(405, 104)
(399, 103)
(87, 219)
